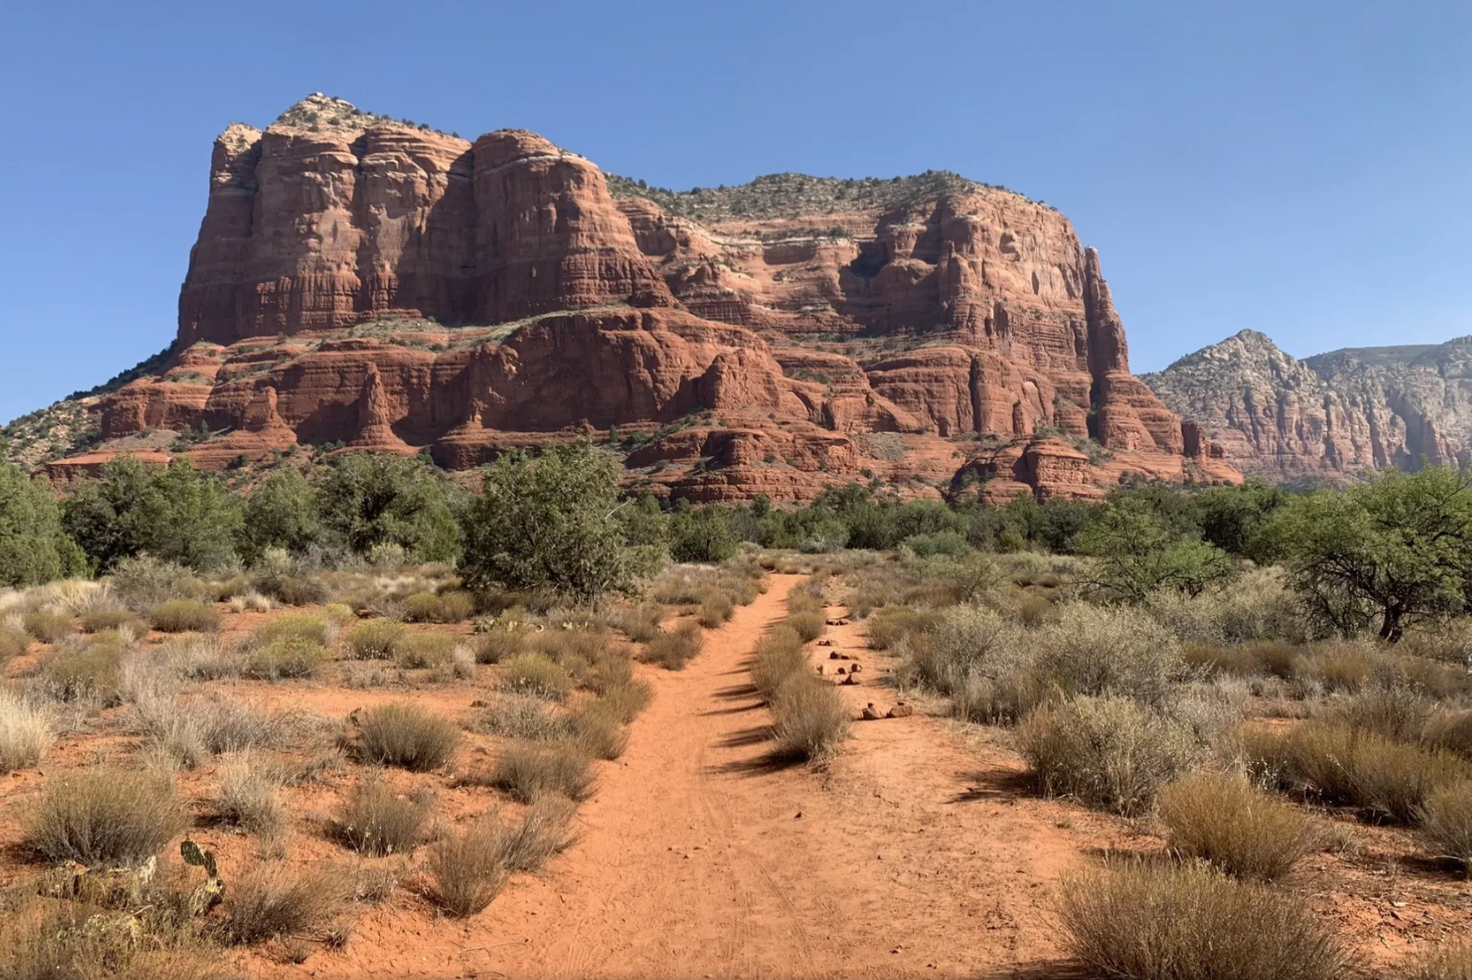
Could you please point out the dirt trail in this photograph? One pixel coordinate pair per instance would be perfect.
(698, 858)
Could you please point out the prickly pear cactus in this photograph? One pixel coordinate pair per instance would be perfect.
(212, 891)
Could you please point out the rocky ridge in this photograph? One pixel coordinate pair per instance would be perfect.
(369, 283)
(1336, 414)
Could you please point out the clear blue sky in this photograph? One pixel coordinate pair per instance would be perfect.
(1301, 168)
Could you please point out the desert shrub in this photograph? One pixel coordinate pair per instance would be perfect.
(598, 728)
(48, 625)
(189, 731)
(270, 901)
(86, 673)
(297, 627)
(626, 701)
(377, 639)
(542, 833)
(104, 817)
(675, 648)
(809, 718)
(640, 622)
(1258, 605)
(1109, 650)
(1108, 752)
(777, 656)
(961, 642)
(715, 609)
(291, 590)
(1342, 667)
(522, 716)
(1450, 729)
(1157, 922)
(286, 658)
(1452, 961)
(1395, 712)
(99, 619)
(536, 674)
(184, 616)
(375, 820)
(13, 643)
(1004, 698)
(44, 939)
(807, 625)
(495, 646)
(446, 607)
(25, 733)
(1352, 767)
(388, 509)
(1446, 822)
(247, 797)
(526, 770)
(407, 736)
(1243, 831)
(469, 868)
(414, 651)
(144, 582)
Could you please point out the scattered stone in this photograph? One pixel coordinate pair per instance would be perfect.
(871, 713)
(835, 655)
(900, 710)
(850, 680)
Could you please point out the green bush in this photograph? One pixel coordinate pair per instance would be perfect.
(415, 651)
(87, 673)
(447, 607)
(34, 549)
(675, 648)
(376, 639)
(184, 616)
(287, 658)
(48, 625)
(537, 675)
(100, 619)
(304, 627)
(377, 821)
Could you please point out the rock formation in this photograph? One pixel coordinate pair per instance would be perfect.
(396, 289)
(1333, 414)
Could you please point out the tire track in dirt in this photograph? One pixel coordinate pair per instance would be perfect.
(907, 856)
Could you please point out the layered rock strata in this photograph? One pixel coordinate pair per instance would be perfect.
(396, 289)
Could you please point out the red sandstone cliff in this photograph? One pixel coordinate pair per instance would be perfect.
(362, 281)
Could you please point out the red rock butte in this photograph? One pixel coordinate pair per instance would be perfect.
(367, 282)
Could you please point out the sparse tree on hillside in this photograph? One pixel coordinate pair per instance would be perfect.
(281, 513)
(33, 547)
(549, 521)
(1389, 551)
(373, 498)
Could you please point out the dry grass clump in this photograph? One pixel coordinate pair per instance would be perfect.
(1224, 820)
(1450, 962)
(891, 624)
(715, 609)
(626, 701)
(406, 736)
(13, 643)
(48, 625)
(375, 820)
(526, 770)
(640, 623)
(1150, 922)
(184, 616)
(1450, 729)
(1396, 712)
(300, 626)
(521, 716)
(93, 672)
(287, 657)
(1382, 777)
(536, 674)
(1446, 823)
(102, 618)
(778, 656)
(809, 718)
(44, 939)
(496, 645)
(470, 868)
(446, 607)
(104, 817)
(598, 728)
(416, 651)
(808, 624)
(272, 901)
(247, 796)
(1108, 752)
(672, 650)
(190, 731)
(376, 639)
(25, 733)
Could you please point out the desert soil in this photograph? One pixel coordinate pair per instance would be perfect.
(698, 857)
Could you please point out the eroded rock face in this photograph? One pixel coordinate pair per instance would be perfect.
(1334, 414)
(365, 282)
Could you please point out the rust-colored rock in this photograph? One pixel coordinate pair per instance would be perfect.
(362, 281)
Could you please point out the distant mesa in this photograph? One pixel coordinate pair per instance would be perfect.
(368, 282)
